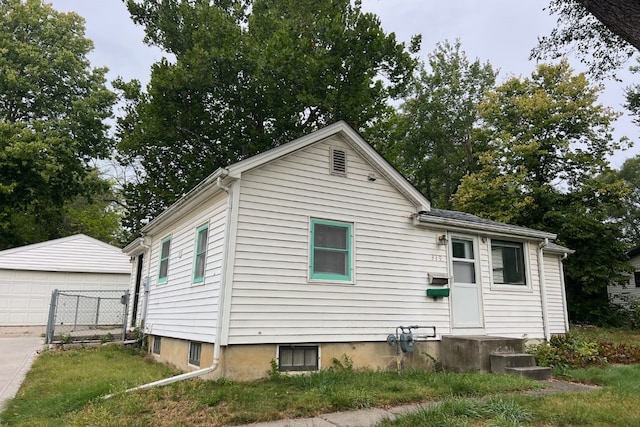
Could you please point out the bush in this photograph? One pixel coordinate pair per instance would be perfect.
(574, 350)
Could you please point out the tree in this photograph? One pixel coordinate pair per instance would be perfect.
(248, 76)
(437, 134)
(52, 111)
(549, 145)
(605, 34)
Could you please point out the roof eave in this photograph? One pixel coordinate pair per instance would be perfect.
(503, 229)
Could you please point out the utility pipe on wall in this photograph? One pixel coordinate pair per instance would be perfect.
(543, 289)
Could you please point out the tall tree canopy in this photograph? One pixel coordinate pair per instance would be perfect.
(549, 145)
(437, 138)
(604, 33)
(246, 76)
(52, 111)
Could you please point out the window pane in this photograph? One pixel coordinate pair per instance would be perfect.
(202, 240)
(164, 266)
(165, 249)
(464, 272)
(330, 236)
(462, 249)
(286, 357)
(508, 262)
(330, 262)
(200, 265)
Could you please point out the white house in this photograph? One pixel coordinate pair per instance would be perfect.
(621, 294)
(319, 249)
(29, 274)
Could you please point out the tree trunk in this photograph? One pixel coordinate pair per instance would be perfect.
(622, 17)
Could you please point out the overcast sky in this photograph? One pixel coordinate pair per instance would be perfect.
(502, 32)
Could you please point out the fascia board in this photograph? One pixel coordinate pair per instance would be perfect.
(501, 229)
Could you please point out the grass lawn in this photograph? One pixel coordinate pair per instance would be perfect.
(65, 388)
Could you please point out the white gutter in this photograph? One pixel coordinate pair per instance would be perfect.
(500, 229)
(543, 289)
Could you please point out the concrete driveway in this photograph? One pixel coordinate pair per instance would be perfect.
(16, 355)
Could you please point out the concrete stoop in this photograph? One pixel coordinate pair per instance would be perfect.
(490, 355)
(521, 364)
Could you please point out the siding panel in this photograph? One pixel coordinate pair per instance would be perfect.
(272, 299)
(179, 308)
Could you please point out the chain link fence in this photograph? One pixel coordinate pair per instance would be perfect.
(81, 316)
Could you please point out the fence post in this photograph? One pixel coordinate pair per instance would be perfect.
(52, 317)
(126, 313)
(97, 312)
(75, 320)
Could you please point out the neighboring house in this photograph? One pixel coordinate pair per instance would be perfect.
(619, 293)
(29, 274)
(318, 249)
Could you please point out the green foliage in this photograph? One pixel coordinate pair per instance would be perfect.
(339, 365)
(454, 413)
(579, 32)
(579, 350)
(274, 371)
(248, 76)
(437, 139)
(52, 111)
(545, 168)
(63, 389)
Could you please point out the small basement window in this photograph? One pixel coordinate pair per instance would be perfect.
(195, 349)
(338, 161)
(157, 341)
(298, 358)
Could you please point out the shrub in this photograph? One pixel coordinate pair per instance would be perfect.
(576, 351)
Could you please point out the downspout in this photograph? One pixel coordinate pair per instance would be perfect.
(216, 346)
(147, 285)
(543, 290)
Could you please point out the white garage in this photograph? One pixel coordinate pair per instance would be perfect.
(29, 274)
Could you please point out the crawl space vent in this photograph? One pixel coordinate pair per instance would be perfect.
(338, 161)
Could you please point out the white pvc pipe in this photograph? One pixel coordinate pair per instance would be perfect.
(543, 289)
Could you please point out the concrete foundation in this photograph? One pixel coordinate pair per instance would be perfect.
(251, 362)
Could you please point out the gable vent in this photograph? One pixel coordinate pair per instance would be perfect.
(338, 161)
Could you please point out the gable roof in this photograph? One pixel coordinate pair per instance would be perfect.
(78, 253)
(350, 136)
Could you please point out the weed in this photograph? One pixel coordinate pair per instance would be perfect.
(274, 372)
(66, 339)
(338, 365)
(107, 338)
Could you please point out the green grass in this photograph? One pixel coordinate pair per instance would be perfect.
(64, 388)
(616, 404)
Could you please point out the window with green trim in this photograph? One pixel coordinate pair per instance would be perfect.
(201, 254)
(163, 268)
(331, 257)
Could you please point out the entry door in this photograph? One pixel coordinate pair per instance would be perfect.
(466, 303)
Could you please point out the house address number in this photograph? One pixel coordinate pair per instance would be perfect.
(437, 258)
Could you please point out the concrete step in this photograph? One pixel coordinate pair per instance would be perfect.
(500, 361)
(471, 353)
(540, 373)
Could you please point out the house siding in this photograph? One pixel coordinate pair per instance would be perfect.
(555, 297)
(179, 308)
(272, 298)
(512, 311)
